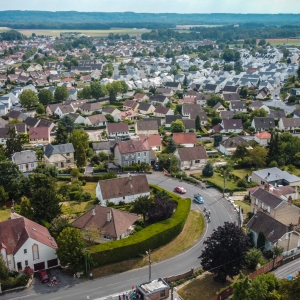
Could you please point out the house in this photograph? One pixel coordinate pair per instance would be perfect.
(26, 243)
(63, 110)
(189, 125)
(114, 112)
(238, 106)
(127, 115)
(161, 111)
(130, 104)
(219, 107)
(129, 153)
(276, 233)
(295, 91)
(167, 92)
(154, 289)
(78, 119)
(105, 147)
(230, 89)
(232, 125)
(171, 118)
(26, 160)
(112, 224)
(117, 129)
(211, 88)
(16, 115)
(61, 156)
(228, 146)
(125, 189)
(4, 135)
(140, 97)
(257, 105)
(275, 177)
(39, 135)
(158, 100)
(280, 209)
(90, 107)
(263, 123)
(175, 86)
(289, 124)
(146, 127)
(50, 108)
(262, 138)
(95, 120)
(31, 122)
(146, 108)
(228, 97)
(191, 158)
(3, 123)
(297, 113)
(191, 111)
(186, 139)
(262, 93)
(154, 141)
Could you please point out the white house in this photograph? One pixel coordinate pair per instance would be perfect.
(125, 189)
(26, 160)
(262, 138)
(191, 158)
(26, 243)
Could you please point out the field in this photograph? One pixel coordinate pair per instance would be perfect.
(95, 33)
(283, 41)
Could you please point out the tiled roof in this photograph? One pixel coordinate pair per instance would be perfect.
(192, 153)
(162, 110)
(132, 146)
(152, 139)
(97, 217)
(24, 157)
(58, 149)
(233, 142)
(124, 186)
(185, 138)
(263, 135)
(38, 133)
(267, 198)
(147, 125)
(117, 127)
(95, 119)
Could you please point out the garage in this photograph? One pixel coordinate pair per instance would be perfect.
(52, 263)
(39, 266)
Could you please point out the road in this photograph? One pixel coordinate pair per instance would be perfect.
(221, 210)
(292, 268)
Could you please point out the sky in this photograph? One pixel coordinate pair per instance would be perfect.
(158, 6)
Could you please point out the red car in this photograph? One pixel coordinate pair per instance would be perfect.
(43, 276)
(179, 190)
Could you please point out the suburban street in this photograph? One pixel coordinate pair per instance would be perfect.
(221, 210)
(290, 269)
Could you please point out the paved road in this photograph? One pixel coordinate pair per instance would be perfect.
(292, 268)
(221, 210)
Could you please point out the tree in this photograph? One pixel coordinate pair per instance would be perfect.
(258, 113)
(98, 90)
(29, 99)
(14, 143)
(80, 140)
(214, 99)
(197, 123)
(4, 271)
(258, 156)
(171, 146)
(193, 68)
(70, 249)
(230, 55)
(92, 233)
(253, 258)
(161, 209)
(141, 205)
(177, 126)
(293, 99)
(8, 172)
(61, 134)
(238, 67)
(167, 162)
(261, 241)
(80, 156)
(228, 67)
(26, 209)
(185, 81)
(289, 289)
(45, 97)
(208, 170)
(244, 92)
(40, 109)
(85, 93)
(262, 42)
(216, 120)
(217, 140)
(67, 122)
(240, 152)
(113, 89)
(215, 67)
(124, 87)
(3, 195)
(225, 251)
(109, 118)
(61, 94)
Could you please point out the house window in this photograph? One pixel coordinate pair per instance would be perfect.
(68, 154)
(162, 293)
(26, 262)
(269, 209)
(197, 161)
(139, 154)
(25, 251)
(256, 201)
(145, 153)
(35, 252)
(68, 161)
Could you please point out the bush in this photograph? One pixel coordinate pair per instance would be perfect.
(242, 183)
(208, 170)
(152, 237)
(273, 164)
(14, 282)
(253, 257)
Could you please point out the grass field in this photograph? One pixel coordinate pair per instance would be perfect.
(246, 207)
(283, 41)
(100, 33)
(4, 214)
(191, 232)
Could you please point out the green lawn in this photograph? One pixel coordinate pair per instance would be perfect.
(246, 208)
(4, 214)
(218, 180)
(90, 187)
(242, 173)
(72, 207)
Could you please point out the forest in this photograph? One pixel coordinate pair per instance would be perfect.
(99, 20)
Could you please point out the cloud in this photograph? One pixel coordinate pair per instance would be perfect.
(169, 6)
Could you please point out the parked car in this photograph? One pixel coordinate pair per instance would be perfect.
(198, 199)
(43, 276)
(179, 190)
(156, 167)
(198, 136)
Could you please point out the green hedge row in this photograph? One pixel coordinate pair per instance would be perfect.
(152, 237)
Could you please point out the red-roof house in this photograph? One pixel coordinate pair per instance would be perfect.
(39, 135)
(262, 138)
(26, 243)
(186, 139)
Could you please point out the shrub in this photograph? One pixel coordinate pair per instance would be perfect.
(253, 257)
(152, 237)
(208, 170)
(242, 183)
(13, 282)
(273, 164)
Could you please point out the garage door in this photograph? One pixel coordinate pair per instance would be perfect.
(39, 266)
(52, 263)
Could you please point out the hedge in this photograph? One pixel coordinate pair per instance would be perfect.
(14, 282)
(152, 237)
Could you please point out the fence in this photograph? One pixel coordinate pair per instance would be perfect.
(179, 276)
(264, 269)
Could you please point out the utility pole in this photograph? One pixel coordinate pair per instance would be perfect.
(224, 186)
(170, 166)
(149, 260)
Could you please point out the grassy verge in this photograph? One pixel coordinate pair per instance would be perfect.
(246, 207)
(4, 214)
(191, 232)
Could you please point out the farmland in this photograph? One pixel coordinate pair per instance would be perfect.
(283, 41)
(94, 33)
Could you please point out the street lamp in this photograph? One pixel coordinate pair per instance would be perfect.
(170, 166)
(149, 260)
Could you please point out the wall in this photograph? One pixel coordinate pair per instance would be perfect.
(179, 276)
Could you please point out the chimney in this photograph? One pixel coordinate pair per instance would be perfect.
(109, 215)
(291, 227)
(290, 200)
(267, 186)
(93, 212)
